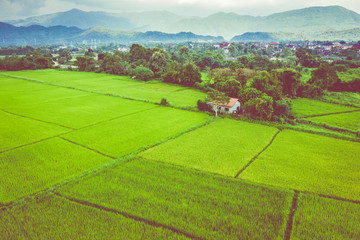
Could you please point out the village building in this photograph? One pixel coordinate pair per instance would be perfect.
(233, 106)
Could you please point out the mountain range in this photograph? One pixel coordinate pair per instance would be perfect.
(39, 35)
(302, 21)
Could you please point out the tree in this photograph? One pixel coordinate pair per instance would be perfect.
(143, 73)
(268, 84)
(290, 81)
(138, 52)
(224, 81)
(261, 107)
(218, 98)
(158, 61)
(89, 53)
(324, 77)
(65, 55)
(243, 75)
(189, 75)
(306, 59)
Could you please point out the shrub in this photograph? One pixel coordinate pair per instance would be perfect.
(164, 102)
(143, 73)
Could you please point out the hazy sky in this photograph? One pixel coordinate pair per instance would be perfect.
(16, 9)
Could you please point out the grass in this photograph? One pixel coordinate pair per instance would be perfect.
(349, 121)
(323, 218)
(77, 112)
(130, 133)
(303, 107)
(350, 75)
(308, 162)
(344, 98)
(152, 91)
(207, 206)
(29, 169)
(16, 131)
(52, 217)
(16, 93)
(222, 147)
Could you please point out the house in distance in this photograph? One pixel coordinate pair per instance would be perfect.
(233, 106)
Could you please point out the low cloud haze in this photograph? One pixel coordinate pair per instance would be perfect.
(16, 9)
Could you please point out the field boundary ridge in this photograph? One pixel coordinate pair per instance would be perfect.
(257, 155)
(328, 114)
(127, 215)
(290, 221)
(35, 119)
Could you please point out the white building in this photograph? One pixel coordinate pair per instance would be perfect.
(233, 106)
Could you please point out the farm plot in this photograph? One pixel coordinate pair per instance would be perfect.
(118, 85)
(349, 121)
(303, 107)
(222, 147)
(16, 131)
(309, 162)
(323, 218)
(204, 205)
(52, 217)
(29, 169)
(131, 133)
(81, 111)
(17, 92)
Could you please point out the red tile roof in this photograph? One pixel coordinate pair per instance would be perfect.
(230, 104)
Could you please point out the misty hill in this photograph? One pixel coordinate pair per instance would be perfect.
(332, 18)
(347, 35)
(37, 35)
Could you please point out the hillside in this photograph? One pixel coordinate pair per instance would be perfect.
(347, 35)
(332, 18)
(36, 35)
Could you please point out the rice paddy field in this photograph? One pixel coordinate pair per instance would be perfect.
(348, 121)
(304, 107)
(124, 86)
(90, 156)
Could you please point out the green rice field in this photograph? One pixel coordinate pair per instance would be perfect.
(349, 121)
(32, 168)
(303, 107)
(90, 156)
(309, 163)
(52, 217)
(16, 131)
(220, 147)
(124, 86)
(323, 218)
(127, 134)
(204, 205)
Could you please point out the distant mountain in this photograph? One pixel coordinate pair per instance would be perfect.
(332, 18)
(35, 34)
(347, 35)
(79, 19)
(38, 35)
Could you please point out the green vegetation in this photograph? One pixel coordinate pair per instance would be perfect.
(29, 169)
(124, 86)
(345, 98)
(77, 112)
(223, 147)
(16, 131)
(303, 107)
(17, 93)
(323, 218)
(52, 217)
(309, 162)
(349, 75)
(130, 133)
(349, 121)
(204, 205)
